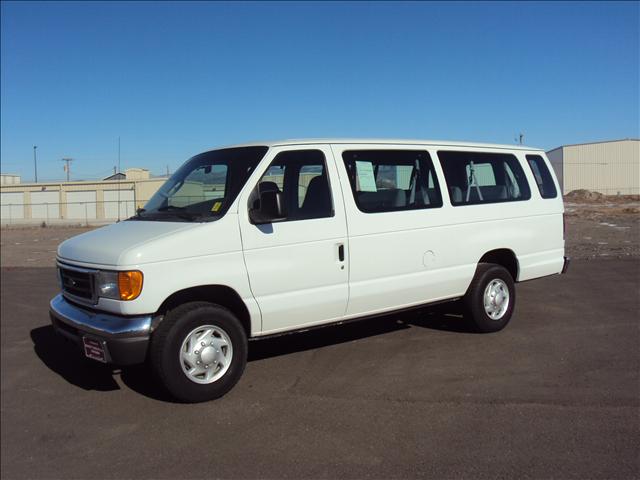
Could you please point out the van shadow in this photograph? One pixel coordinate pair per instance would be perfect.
(65, 359)
(444, 317)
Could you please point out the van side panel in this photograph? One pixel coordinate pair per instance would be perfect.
(405, 258)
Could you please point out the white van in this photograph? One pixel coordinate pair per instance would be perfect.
(260, 239)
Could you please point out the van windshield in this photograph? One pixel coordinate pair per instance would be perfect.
(204, 187)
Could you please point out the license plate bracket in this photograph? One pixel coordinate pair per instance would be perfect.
(94, 349)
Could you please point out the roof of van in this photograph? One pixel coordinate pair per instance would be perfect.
(394, 141)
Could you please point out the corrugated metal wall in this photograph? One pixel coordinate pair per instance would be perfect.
(607, 167)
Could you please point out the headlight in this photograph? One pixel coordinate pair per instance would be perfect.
(119, 285)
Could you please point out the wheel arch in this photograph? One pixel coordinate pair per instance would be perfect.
(219, 294)
(504, 257)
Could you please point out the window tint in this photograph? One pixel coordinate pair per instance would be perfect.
(478, 177)
(301, 176)
(543, 176)
(390, 180)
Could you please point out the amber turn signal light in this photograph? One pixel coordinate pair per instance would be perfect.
(129, 284)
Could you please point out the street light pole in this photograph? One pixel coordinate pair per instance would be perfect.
(35, 163)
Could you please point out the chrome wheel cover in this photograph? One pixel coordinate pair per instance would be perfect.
(206, 354)
(496, 299)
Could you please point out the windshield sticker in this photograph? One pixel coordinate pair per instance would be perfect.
(216, 206)
(366, 179)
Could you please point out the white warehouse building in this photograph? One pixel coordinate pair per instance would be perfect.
(609, 167)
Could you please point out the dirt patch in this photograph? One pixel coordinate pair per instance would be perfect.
(582, 195)
(602, 226)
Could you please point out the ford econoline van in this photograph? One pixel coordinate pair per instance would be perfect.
(261, 239)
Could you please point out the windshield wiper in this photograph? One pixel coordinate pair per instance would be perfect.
(179, 212)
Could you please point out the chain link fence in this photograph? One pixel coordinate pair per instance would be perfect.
(68, 213)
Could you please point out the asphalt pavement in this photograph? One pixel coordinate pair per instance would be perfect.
(413, 395)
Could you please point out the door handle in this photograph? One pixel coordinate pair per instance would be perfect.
(341, 252)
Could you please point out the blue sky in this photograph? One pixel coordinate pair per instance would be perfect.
(173, 79)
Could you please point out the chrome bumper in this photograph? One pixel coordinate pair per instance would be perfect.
(125, 339)
(99, 323)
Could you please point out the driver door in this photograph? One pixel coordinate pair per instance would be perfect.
(297, 266)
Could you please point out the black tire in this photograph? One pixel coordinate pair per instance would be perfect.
(473, 300)
(167, 340)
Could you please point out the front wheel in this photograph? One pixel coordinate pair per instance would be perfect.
(490, 299)
(199, 351)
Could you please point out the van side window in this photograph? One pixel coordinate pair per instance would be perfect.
(481, 177)
(392, 180)
(543, 176)
(301, 175)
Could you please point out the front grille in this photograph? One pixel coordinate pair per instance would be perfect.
(77, 283)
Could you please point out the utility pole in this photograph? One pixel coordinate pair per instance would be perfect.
(519, 139)
(35, 164)
(67, 167)
(119, 178)
(119, 155)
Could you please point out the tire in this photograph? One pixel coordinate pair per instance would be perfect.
(224, 352)
(495, 281)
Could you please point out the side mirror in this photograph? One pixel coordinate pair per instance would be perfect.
(269, 207)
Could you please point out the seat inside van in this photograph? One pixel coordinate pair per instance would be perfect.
(394, 198)
(490, 193)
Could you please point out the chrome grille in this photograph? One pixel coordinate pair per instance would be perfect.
(77, 283)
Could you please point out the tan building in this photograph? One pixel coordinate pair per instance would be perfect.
(9, 179)
(610, 167)
(100, 201)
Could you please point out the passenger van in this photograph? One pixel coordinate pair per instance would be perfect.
(255, 240)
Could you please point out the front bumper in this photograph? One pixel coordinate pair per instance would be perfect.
(125, 339)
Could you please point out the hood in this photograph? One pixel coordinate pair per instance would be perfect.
(120, 243)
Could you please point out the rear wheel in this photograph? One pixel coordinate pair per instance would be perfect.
(490, 299)
(199, 351)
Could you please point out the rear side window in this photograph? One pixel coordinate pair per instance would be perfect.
(543, 176)
(480, 177)
(392, 180)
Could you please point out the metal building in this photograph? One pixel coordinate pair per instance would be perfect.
(609, 167)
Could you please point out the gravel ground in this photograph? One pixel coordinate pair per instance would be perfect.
(33, 246)
(602, 230)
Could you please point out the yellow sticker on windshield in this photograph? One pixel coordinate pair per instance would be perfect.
(216, 206)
